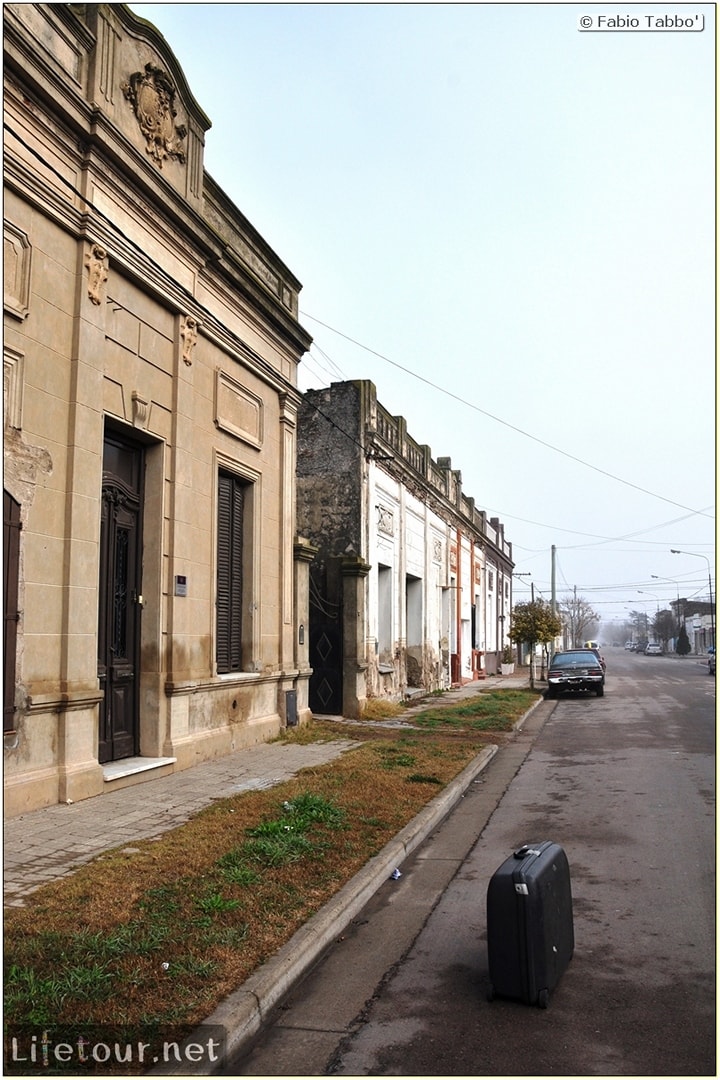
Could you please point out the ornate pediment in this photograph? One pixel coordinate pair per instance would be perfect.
(152, 96)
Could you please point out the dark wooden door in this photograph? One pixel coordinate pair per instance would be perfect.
(326, 648)
(326, 692)
(11, 580)
(120, 600)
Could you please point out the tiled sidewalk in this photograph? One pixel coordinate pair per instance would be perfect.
(49, 843)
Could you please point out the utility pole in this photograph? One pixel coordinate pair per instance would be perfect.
(553, 599)
(697, 555)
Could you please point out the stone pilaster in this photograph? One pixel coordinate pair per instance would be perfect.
(354, 574)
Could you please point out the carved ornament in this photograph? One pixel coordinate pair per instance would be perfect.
(385, 521)
(189, 335)
(152, 96)
(140, 410)
(96, 265)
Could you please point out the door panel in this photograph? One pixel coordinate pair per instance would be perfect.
(326, 646)
(118, 632)
(326, 690)
(11, 579)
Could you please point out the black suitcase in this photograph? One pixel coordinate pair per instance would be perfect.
(530, 923)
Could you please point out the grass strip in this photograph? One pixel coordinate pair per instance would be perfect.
(161, 934)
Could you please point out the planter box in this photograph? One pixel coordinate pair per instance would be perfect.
(507, 669)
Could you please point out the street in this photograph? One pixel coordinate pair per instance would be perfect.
(626, 784)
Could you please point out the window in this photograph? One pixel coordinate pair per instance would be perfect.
(229, 601)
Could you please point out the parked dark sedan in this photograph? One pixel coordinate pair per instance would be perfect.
(577, 669)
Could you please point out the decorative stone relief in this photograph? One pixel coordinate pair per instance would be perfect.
(140, 410)
(152, 96)
(13, 386)
(189, 335)
(16, 270)
(385, 521)
(437, 551)
(96, 264)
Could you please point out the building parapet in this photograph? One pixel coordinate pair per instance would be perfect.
(379, 424)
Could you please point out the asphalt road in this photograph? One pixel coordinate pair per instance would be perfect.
(626, 784)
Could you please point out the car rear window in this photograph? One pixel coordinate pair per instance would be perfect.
(569, 658)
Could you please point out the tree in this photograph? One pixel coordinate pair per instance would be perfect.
(683, 643)
(534, 622)
(579, 618)
(639, 621)
(664, 626)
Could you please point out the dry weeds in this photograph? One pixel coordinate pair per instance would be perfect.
(159, 935)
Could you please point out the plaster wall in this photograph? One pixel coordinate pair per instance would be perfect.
(120, 319)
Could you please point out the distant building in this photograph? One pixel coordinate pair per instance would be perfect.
(699, 619)
(154, 584)
(411, 587)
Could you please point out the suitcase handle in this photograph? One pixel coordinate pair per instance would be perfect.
(525, 850)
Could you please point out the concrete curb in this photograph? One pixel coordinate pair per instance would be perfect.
(244, 1012)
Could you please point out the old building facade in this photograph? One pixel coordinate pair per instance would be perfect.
(698, 616)
(411, 589)
(154, 580)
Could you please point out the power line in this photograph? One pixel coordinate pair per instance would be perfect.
(559, 528)
(499, 420)
(606, 539)
(88, 202)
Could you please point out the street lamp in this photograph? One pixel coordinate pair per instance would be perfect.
(528, 573)
(674, 582)
(697, 555)
(657, 606)
(677, 588)
(677, 612)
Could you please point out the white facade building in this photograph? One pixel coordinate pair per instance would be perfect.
(411, 588)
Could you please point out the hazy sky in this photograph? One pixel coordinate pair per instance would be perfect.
(517, 215)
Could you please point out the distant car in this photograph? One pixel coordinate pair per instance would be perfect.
(599, 655)
(630, 646)
(576, 669)
(653, 648)
(640, 647)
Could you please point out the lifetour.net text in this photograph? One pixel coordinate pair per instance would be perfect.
(111, 1050)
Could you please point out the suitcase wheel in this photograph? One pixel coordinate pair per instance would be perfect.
(543, 999)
